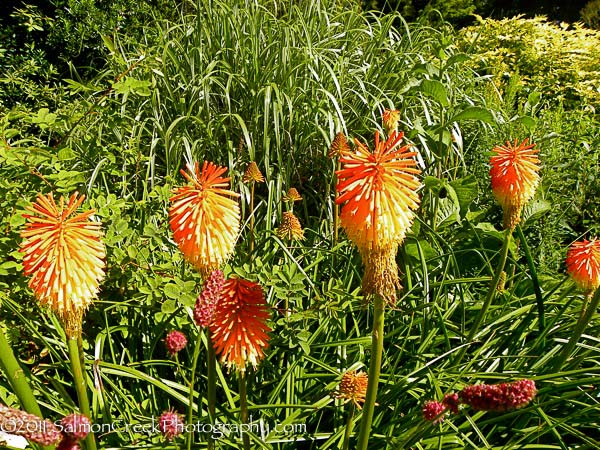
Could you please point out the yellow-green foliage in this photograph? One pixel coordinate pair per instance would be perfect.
(560, 61)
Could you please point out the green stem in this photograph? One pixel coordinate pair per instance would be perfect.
(16, 377)
(80, 386)
(374, 371)
(252, 218)
(336, 209)
(190, 418)
(534, 279)
(584, 319)
(212, 388)
(490, 295)
(244, 409)
(349, 427)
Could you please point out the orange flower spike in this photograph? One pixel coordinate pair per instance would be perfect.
(583, 264)
(64, 255)
(515, 177)
(390, 118)
(205, 220)
(239, 327)
(379, 189)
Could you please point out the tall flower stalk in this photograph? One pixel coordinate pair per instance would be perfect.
(378, 191)
(205, 219)
(339, 146)
(583, 266)
(252, 175)
(240, 333)
(64, 254)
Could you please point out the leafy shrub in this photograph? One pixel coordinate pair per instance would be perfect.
(559, 61)
(590, 14)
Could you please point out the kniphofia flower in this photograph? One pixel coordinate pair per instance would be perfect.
(515, 177)
(292, 195)
(339, 146)
(239, 328)
(253, 174)
(290, 228)
(353, 387)
(390, 118)
(378, 191)
(64, 255)
(583, 264)
(204, 217)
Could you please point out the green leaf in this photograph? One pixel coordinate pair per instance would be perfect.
(435, 90)
(535, 209)
(466, 192)
(169, 307)
(171, 290)
(474, 113)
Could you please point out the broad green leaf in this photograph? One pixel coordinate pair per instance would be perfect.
(474, 113)
(435, 90)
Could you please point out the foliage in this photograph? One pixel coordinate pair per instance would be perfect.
(590, 14)
(235, 82)
(559, 61)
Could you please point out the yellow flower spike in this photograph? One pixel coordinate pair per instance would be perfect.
(378, 191)
(353, 387)
(515, 177)
(292, 195)
(290, 228)
(64, 254)
(253, 174)
(339, 145)
(390, 118)
(204, 217)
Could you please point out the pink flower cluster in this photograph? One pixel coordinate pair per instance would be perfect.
(483, 397)
(170, 424)
(208, 298)
(175, 342)
(499, 397)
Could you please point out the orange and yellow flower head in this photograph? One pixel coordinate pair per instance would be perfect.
(290, 228)
(378, 191)
(583, 264)
(339, 146)
(239, 330)
(515, 177)
(390, 118)
(353, 387)
(64, 254)
(204, 217)
(253, 174)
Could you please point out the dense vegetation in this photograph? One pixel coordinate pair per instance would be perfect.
(273, 82)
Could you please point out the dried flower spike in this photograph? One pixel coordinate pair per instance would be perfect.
(175, 342)
(64, 255)
(290, 228)
(339, 146)
(239, 328)
(253, 174)
(583, 264)
(170, 424)
(204, 310)
(31, 427)
(204, 217)
(499, 397)
(515, 177)
(353, 386)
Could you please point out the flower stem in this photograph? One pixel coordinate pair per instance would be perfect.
(490, 295)
(80, 385)
(587, 312)
(244, 408)
(349, 427)
(190, 418)
(374, 371)
(336, 210)
(16, 377)
(534, 279)
(252, 218)
(212, 387)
